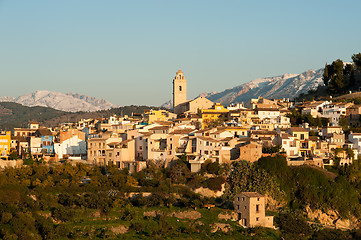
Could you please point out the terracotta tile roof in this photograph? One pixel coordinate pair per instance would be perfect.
(263, 132)
(19, 138)
(285, 136)
(252, 194)
(44, 132)
(164, 123)
(122, 142)
(203, 131)
(208, 139)
(298, 129)
(159, 128)
(182, 131)
(227, 139)
(267, 109)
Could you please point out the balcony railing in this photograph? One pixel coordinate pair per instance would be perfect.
(157, 150)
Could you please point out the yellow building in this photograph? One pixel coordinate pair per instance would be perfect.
(237, 131)
(158, 115)
(213, 114)
(5, 141)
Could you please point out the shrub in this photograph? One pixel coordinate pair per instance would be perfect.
(215, 183)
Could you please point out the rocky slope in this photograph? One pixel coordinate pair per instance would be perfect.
(284, 86)
(70, 102)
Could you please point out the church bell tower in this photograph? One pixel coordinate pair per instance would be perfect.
(179, 90)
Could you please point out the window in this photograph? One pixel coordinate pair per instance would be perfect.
(140, 138)
(180, 88)
(257, 219)
(257, 208)
(302, 136)
(206, 152)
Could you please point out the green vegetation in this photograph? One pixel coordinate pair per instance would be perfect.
(297, 118)
(52, 202)
(273, 149)
(306, 186)
(55, 202)
(339, 78)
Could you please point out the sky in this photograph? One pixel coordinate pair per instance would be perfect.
(128, 52)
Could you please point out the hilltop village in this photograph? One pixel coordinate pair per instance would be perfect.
(205, 169)
(200, 129)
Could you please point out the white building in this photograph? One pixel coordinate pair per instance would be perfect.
(288, 144)
(74, 147)
(355, 139)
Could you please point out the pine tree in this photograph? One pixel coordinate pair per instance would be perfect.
(326, 78)
(356, 58)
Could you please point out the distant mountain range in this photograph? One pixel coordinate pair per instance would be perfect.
(69, 102)
(284, 86)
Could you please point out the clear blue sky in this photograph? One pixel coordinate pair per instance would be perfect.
(128, 51)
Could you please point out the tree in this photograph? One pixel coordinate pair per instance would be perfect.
(248, 177)
(326, 77)
(337, 81)
(13, 155)
(356, 58)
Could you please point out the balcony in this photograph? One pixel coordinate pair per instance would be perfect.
(157, 150)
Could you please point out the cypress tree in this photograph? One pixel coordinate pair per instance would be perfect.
(326, 78)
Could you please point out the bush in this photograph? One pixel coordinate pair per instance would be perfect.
(63, 214)
(293, 227)
(210, 167)
(215, 184)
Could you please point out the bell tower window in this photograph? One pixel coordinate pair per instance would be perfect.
(180, 88)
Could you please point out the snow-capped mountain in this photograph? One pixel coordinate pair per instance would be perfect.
(284, 86)
(70, 102)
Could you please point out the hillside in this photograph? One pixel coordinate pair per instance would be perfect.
(69, 102)
(16, 115)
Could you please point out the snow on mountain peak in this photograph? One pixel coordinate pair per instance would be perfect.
(283, 86)
(71, 102)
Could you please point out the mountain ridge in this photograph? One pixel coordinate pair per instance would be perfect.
(69, 102)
